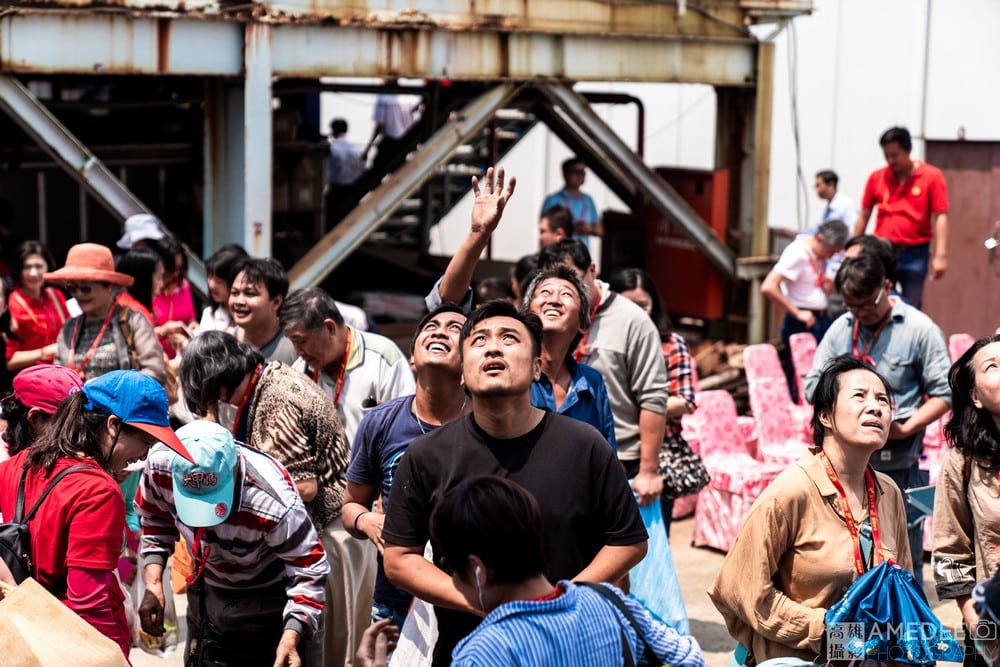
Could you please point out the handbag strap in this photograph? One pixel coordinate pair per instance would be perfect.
(19, 516)
(620, 605)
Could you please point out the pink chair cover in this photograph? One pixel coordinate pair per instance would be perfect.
(783, 428)
(737, 477)
(803, 349)
(957, 345)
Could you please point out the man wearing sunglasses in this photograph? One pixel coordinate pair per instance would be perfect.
(909, 350)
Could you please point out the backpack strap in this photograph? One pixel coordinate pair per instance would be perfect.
(620, 605)
(127, 334)
(19, 516)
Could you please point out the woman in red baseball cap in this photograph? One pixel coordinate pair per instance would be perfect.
(76, 533)
(36, 394)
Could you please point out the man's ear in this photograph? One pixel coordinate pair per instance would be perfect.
(331, 326)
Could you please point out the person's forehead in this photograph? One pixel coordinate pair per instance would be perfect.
(500, 324)
(557, 283)
(244, 282)
(445, 319)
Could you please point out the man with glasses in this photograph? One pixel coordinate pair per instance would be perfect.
(909, 350)
(586, 219)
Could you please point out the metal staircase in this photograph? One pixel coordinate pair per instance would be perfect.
(410, 224)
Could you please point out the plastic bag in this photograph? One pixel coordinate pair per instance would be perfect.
(654, 580)
(158, 646)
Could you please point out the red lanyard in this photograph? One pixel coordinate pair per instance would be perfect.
(341, 374)
(863, 354)
(820, 274)
(201, 552)
(581, 349)
(852, 527)
(246, 397)
(93, 346)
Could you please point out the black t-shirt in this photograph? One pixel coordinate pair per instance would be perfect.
(567, 465)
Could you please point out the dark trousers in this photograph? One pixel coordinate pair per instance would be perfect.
(912, 264)
(909, 477)
(242, 629)
(791, 325)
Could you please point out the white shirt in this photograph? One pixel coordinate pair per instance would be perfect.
(842, 208)
(346, 164)
(393, 113)
(802, 272)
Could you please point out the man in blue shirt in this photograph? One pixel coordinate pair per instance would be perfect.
(909, 350)
(388, 429)
(586, 219)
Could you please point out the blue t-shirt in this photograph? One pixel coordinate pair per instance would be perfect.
(581, 208)
(382, 438)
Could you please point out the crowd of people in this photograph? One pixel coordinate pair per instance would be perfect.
(519, 435)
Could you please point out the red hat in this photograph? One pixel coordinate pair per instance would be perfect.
(91, 262)
(45, 387)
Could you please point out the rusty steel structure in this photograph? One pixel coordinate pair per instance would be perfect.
(240, 51)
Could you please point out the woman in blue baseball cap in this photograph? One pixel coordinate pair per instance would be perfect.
(76, 533)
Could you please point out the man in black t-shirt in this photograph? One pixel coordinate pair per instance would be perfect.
(593, 531)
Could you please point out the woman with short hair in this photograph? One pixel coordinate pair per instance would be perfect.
(821, 524)
(106, 336)
(37, 312)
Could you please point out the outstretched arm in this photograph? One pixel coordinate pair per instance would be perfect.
(486, 213)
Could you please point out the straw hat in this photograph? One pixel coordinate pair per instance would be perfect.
(90, 262)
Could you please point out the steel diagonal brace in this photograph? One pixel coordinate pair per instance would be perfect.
(82, 165)
(375, 209)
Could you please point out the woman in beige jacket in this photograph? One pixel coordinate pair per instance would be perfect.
(822, 522)
(967, 498)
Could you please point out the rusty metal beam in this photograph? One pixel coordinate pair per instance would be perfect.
(82, 165)
(657, 191)
(62, 41)
(380, 203)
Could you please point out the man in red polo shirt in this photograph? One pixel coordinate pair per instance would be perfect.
(912, 200)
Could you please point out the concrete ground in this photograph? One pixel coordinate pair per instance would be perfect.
(696, 567)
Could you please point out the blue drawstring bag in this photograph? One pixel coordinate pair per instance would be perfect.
(885, 617)
(653, 582)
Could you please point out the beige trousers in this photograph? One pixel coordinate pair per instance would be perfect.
(349, 591)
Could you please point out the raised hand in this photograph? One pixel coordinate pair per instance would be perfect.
(490, 201)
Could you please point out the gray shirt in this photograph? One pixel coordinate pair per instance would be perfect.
(624, 346)
(910, 352)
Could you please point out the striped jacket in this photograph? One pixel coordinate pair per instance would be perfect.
(267, 538)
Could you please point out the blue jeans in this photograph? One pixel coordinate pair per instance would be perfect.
(380, 611)
(912, 264)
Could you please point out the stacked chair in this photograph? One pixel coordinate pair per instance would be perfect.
(737, 476)
(784, 429)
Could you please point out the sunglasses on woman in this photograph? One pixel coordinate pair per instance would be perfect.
(83, 289)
